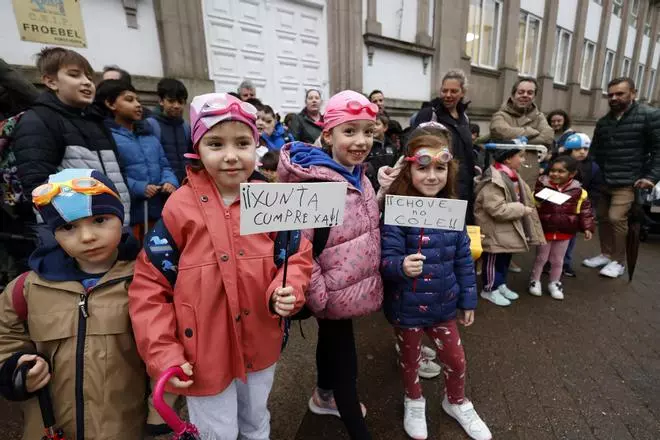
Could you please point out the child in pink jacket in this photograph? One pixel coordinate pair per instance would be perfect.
(346, 281)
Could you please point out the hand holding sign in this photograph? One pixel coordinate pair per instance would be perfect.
(413, 265)
(283, 301)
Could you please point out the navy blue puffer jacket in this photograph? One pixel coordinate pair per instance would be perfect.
(447, 281)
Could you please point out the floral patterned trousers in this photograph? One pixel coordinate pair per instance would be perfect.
(447, 341)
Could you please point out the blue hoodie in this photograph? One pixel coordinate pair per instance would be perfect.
(307, 155)
(278, 138)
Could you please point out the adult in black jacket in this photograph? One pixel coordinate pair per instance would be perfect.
(16, 94)
(307, 125)
(449, 110)
(53, 135)
(626, 147)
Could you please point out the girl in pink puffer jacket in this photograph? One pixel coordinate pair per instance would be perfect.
(346, 280)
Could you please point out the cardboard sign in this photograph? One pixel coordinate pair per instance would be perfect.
(425, 212)
(552, 196)
(269, 207)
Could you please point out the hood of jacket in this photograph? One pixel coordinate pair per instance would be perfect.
(510, 108)
(53, 264)
(277, 139)
(141, 128)
(158, 114)
(300, 162)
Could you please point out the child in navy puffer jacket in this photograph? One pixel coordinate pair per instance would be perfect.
(430, 283)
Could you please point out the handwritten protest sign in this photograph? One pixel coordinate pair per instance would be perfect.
(552, 196)
(268, 207)
(425, 212)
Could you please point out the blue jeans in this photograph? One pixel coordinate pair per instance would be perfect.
(568, 258)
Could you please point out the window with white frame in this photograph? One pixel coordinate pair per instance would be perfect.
(529, 41)
(608, 70)
(651, 86)
(633, 17)
(617, 7)
(639, 79)
(483, 35)
(647, 22)
(625, 67)
(588, 56)
(561, 55)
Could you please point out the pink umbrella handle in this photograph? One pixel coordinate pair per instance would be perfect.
(168, 414)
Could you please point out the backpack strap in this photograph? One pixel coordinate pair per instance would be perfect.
(162, 251)
(18, 297)
(319, 241)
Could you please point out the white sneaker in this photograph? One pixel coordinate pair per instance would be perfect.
(597, 261)
(468, 418)
(428, 353)
(414, 418)
(428, 369)
(535, 288)
(613, 270)
(508, 293)
(496, 298)
(556, 289)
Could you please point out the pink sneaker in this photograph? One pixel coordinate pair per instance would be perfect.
(327, 407)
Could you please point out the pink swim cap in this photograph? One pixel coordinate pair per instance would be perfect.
(347, 106)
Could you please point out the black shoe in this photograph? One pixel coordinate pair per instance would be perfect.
(569, 272)
(546, 268)
(156, 430)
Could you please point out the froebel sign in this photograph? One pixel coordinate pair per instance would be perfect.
(269, 207)
(50, 21)
(425, 212)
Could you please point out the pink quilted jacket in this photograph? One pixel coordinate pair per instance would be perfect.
(346, 279)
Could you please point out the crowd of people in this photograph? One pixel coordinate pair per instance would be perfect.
(135, 214)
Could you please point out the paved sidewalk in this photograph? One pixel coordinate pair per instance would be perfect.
(585, 368)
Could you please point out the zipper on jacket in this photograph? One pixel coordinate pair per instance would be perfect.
(83, 314)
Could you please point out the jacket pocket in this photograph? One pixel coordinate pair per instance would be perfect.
(51, 331)
(187, 330)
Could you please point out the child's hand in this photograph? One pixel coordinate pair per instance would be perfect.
(529, 210)
(151, 190)
(168, 188)
(38, 376)
(413, 265)
(178, 383)
(466, 317)
(283, 301)
(588, 235)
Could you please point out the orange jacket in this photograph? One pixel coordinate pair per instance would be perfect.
(218, 315)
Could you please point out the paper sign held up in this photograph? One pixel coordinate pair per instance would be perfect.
(552, 196)
(269, 207)
(425, 212)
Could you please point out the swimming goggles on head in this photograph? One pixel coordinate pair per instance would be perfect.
(44, 194)
(355, 107)
(425, 159)
(220, 105)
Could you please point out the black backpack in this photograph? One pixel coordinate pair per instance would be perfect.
(161, 249)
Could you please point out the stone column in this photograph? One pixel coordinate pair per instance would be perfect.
(574, 70)
(648, 62)
(345, 44)
(623, 36)
(599, 62)
(548, 43)
(641, 13)
(372, 25)
(422, 36)
(449, 28)
(183, 43)
(508, 48)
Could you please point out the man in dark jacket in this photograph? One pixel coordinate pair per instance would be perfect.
(626, 146)
(61, 129)
(168, 125)
(449, 110)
